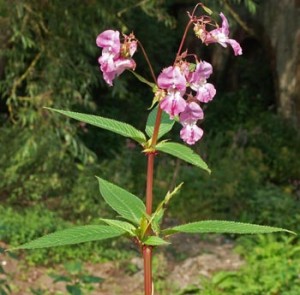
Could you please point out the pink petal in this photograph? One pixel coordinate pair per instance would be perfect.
(109, 77)
(202, 72)
(109, 39)
(236, 47)
(123, 64)
(225, 25)
(192, 113)
(171, 77)
(191, 134)
(107, 62)
(206, 92)
(173, 103)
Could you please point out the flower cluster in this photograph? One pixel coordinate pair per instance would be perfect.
(116, 56)
(183, 86)
(175, 80)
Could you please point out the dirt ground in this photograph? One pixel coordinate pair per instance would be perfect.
(177, 266)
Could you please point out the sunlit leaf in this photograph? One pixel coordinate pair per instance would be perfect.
(224, 227)
(74, 235)
(115, 126)
(155, 241)
(126, 226)
(182, 152)
(123, 202)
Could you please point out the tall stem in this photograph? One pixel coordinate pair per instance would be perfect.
(147, 250)
(149, 185)
(147, 255)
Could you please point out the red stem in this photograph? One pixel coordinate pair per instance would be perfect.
(183, 38)
(147, 254)
(149, 186)
(148, 61)
(147, 250)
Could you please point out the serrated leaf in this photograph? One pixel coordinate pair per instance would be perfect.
(126, 226)
(182, 152)
(143, 80)
(115, 126)
(224, 227)
(73, 235)
(123, 202)
(165, 126)
(155, 241)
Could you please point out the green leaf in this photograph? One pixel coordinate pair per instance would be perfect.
(155, 241)
(182, 152)
(87, 279)
(128, 227)
(224, 227)
(123, 202)
(121, 128)
(159, 212)
(73, 235)
(143, 80)
(74, 289)
(165, 126)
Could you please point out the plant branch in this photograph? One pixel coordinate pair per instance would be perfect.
(183, 38)
(148, 61)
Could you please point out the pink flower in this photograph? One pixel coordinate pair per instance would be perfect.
(115, 68)
(110, 40)
(113, 60)
(171, 78)
(191, 114)
(202, 72)
(219, 35)
(191, 133)
(173, 104)
(205, 91)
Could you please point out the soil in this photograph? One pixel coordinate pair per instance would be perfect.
(176, 267)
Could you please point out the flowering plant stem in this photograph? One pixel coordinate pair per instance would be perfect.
(179, 92)
(147, 250)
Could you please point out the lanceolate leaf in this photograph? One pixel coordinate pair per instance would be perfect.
(121, 128)
(223, 227)
(74, 235)
(126, 204)
(155, 241)
(182, 152)
(126, 226)
(165, 125)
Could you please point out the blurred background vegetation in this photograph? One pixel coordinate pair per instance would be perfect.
(48, 58)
